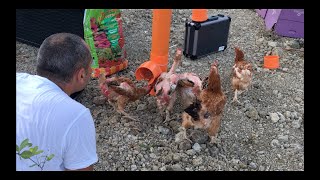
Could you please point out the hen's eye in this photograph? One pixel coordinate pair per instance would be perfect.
(206, 115)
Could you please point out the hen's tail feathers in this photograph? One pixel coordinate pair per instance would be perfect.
(239, 55)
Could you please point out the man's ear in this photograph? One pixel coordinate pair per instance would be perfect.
(81, 74)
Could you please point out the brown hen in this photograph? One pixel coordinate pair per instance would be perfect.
(241, 74)
(119, 91)
(207, 110)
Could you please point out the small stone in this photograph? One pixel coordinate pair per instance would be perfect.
(179, 137)
(197, 161)
(155, 168)
(260, 40)
(260, 152)
(198, 136)
(152, 155)
(258, 70)
(133, 167)
(235, 161)
(282, 118)
(284, 138)
(167, 159)
(262, 114)
(253, 165)
(266, 70)
(99, 100)
(296, 124)
(196, 147)
(242, 165)
(141, 107)
(296, 146)
(277, 51)
(252, 113)
(300, 164)
(272, 43)
(275, 92)
(298, 99)
(191, 152)
(135, 152)
(294, 115)
(163, 168)
(176, 157)
(285, 69)
(176, 167)
(185, 145)
(214, 151)
(185, 63)
(294, 44)
(287, 114)
(262, 168)
(163, 130)
(275, 143)
(274, 117)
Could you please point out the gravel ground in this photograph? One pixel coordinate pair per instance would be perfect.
(264, 133)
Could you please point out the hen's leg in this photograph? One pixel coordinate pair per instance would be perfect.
(235, 98)
(121, 105)
(113, 104)
(169, 108)
(184, 130)
(214, 129)
(186, 123)
(214, 140)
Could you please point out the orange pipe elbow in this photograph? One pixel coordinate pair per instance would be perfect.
(158, 63)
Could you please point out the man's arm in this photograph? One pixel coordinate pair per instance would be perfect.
(89, 168)
(80, 146)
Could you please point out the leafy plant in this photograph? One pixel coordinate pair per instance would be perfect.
(32, 152)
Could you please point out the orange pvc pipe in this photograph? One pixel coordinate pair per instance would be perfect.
(199, 15)
(158, 63)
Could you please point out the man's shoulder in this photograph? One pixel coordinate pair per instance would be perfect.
(71, 107)
(20, 75)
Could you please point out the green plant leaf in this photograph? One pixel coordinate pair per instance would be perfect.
(17, 148)
(50, 157)
(23, 144)
(34, 149)
(38, 152)
(26, 154)
(33, 165)
(29, 144)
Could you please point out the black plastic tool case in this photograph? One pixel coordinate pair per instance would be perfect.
(34, 25)
(203, 38)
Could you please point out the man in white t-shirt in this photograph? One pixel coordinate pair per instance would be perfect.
(47, 116)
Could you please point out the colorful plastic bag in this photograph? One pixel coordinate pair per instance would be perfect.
(103, 33)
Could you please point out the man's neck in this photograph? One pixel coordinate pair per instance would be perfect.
(65, 87)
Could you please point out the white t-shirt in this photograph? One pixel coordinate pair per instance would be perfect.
(54, 122)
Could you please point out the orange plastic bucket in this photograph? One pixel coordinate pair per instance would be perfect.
(271, 62)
